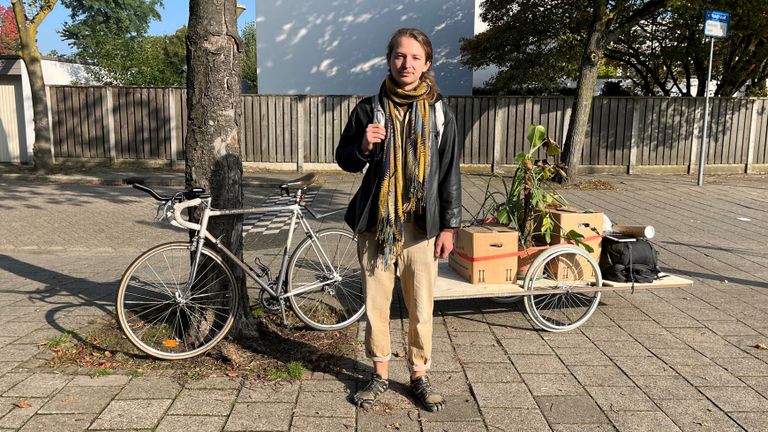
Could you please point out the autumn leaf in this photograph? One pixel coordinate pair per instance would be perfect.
(23, 404)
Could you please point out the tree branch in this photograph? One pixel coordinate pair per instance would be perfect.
(633, 19)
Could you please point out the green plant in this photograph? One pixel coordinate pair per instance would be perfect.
(59, 340)
(101, 372)
(292, 370)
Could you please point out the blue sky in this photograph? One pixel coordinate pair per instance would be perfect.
(174, 14)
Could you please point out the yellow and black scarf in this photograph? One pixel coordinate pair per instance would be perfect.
(405, 163)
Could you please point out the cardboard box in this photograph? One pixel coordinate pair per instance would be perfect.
(485, 254)
(585, 222)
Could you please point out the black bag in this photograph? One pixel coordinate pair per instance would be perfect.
(629, 261)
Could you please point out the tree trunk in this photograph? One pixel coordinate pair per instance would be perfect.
(212, 147)
(582, 105)
(41, 149)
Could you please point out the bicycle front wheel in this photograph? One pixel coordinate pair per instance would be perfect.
(325, 287)
(167, 317)
(564, 268)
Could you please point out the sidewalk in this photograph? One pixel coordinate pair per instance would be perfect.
(661, 360)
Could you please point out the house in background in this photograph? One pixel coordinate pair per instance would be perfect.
(17, 131)
(338, 47)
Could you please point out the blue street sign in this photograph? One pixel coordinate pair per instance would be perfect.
(716, 24)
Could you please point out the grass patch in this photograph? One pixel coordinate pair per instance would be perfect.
(102, 372)
(59, 340)
(291, 371)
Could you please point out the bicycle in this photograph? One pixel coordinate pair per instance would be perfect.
(178, 300)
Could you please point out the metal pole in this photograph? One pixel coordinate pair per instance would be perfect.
(703, 154)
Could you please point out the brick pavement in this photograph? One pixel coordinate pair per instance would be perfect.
(654, 360)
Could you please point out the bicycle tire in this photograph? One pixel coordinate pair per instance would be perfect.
(565, 267)
(334, 304)
(160, 317)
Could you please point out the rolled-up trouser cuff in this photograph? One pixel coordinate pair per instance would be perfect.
(420, 368)
(380, 359)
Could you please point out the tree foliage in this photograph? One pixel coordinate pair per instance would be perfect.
(112, 35)
(250, 75)
(538, 45)
(9, 33)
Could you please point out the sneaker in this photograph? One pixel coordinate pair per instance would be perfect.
(375, 388)
(429, 397)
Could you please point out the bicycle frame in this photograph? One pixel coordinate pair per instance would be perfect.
(202, 235)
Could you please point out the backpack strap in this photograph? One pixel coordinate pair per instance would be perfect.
(438, 116)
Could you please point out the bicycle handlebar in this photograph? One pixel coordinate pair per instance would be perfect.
(195, 192)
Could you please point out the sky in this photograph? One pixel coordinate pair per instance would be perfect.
(174, 14)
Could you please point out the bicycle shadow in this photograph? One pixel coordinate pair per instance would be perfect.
(64, 296)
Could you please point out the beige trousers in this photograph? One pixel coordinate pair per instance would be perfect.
(417, 266)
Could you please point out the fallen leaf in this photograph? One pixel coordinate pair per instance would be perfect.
(399, 354)
(23, 404)
(107, 354)
(761, 346)
(395, 426)
(725, 281)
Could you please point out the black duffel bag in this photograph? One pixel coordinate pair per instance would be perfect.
(629, 261)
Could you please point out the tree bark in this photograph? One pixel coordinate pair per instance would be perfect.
(41, 149)
(582, 104)
(212, 148)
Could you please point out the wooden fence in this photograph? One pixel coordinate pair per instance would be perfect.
(626, 134)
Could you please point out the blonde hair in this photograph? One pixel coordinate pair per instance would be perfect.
(423, 40)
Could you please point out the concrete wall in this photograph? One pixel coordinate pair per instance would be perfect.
(339, 47)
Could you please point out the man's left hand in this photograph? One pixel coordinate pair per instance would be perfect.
(444, 243)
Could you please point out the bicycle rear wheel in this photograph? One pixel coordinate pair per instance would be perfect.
(165, 316)
(562, 267)
(325, 280)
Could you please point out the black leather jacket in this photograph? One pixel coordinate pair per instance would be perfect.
(443, 188)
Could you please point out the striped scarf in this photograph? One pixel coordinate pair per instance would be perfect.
(405, 163)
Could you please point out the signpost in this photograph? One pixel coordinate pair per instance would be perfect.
(715, 26)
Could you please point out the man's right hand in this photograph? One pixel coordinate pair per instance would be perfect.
(374, 134)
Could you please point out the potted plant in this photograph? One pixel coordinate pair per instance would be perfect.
(526, 196)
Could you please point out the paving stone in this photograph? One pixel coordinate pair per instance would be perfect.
(503, 395)
(642, 327)
(570, 410)
(473, 338)
(553, 385)
(697, 415)
(319, 404)
(38, 385)
(718, 349)
(682, 357)
(450, 383)
(729, 328)
(337, 386)
(172, 423)
(484, 354)
(529, 420)
(444, 361)
(708, 376)
(526, 346)
(260, 416)
(583, 428)
(590, 356)
(99, 381)
(743, 367)
(600, 376)
(621, 399)
(606, 334)
(218, 383)
(466, 323)
(475, 426)
(496, 372)
(132, 414)
(525, 363)
(753, 422)
(18, 352)
(660, 341)
(667, 387)
(322, 424)
(11, 379)
(16, 417)
(460, 409)
(759, 384)
(204, 402)
(58, 423)
(150, 387)
(642, 421)
(7, 366)
(736, 398)
(375, 421)
(80, 400)
(566, 340)
(18, 328)
(622, 348)
(643, 366)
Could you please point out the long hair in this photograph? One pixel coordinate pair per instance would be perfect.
(423, 40)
